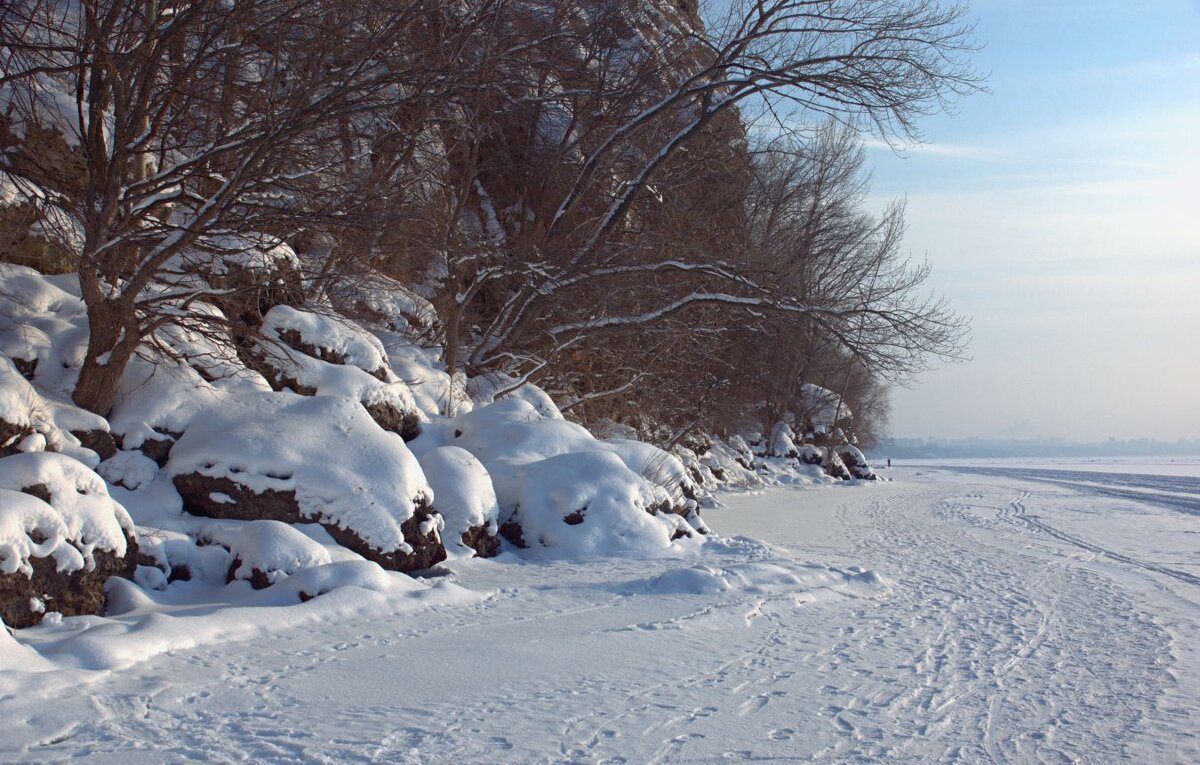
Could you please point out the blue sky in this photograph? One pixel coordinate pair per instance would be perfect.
(1062, 212)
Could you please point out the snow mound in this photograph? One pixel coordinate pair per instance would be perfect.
(91, 520)
(464, 495)
(589, 504)
(266, 552)
(283, 443)
(132, 470)
(492, 386)
(806, 582)
(142, 624)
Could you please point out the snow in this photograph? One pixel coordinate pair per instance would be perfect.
(919, 620)
(254, 252)
(463, 494)
(337, 338)
(282, 442)
(485, 388)
(42, 319)
(132, 470)
(24, 517)
(276, 549)
(589, 504)
(91, 520)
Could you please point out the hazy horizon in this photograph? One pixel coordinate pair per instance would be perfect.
(1056, 211)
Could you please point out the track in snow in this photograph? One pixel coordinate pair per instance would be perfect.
(1179, 493)
(999, 638)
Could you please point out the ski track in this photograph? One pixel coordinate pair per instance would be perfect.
(1003, 639)
(1179, 493)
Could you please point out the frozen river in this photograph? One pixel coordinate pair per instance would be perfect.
(984, 613)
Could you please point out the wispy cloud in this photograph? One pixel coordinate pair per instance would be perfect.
(937, 149)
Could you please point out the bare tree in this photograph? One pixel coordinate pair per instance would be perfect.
(199, 124)
(875, 65)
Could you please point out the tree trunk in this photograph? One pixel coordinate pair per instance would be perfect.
(113, 340)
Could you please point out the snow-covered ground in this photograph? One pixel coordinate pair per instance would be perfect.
(947, 616)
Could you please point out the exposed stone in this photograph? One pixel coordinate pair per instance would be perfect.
(99, 441)
(484, 544)
(389, 417)
(258, 578)
(70, 594)
(159, 449)
(11, 437)
(27, 367)
(512, 531)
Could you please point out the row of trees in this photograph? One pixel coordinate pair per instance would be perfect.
(580, 187)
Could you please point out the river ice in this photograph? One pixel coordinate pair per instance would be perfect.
(953, 615)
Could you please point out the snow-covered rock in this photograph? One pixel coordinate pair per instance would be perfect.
(464, 496)
(587, 504)
(532, 459)
(315, 354)
(322, 459)
(266, 552)
(856, 462)
(61, 537)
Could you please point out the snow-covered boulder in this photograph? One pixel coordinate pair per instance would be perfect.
(834, 466)
(856, 462)
(327, 338)
(160, 396)
(257, 271)
(43, 326)
(61, 537)
(782, 442)
(464, 495)
(30, 422)
(319, 459)
(588, 504)
(546, 471)
(315, 354)
(265, 552)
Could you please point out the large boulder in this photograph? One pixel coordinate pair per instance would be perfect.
(61, 538)
(319, 459)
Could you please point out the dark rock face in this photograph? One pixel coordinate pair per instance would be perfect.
(512, 531)
(27, 367)
(99, 441)
(484, 544)
(406, 423)
(73, 594)
(10, 436)
(159, 449)
(258, 578)
(247, 505)
(427, 548)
